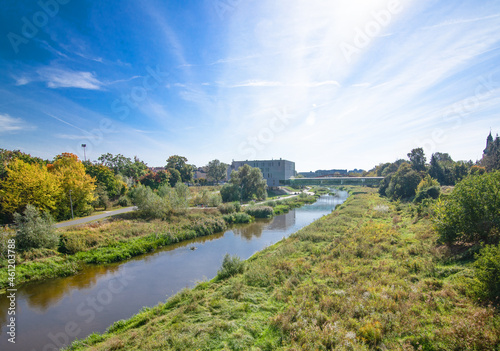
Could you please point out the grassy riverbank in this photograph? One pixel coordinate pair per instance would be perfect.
(121, 238)
(367, 276)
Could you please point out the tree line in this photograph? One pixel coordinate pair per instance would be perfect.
(466, 218)
(65, 183)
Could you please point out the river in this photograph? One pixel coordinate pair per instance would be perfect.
(52, 313)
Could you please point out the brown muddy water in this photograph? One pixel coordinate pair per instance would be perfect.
(53, 313)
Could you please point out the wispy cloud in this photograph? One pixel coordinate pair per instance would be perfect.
(10, 124)
(64, 78)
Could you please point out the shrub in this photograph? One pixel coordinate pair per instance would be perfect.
(35, 230)
(431, 192)
(124, 201)
(231, 265)
(150, 204)
(487, 268)
(236, 218)
(470, 213)
(229, 207)
(230, 192)
(214, 200)
(260, 211)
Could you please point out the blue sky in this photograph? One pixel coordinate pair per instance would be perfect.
(327, 84)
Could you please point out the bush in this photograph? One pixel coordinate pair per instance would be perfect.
(230, 192)
(214, 200)
(470, 214)
(488, 273)
(236, 218)
(431, 192)
(229, 207)
(35, 230)
(260, 211)
(150, 205)
(124, 201)
(231, 265)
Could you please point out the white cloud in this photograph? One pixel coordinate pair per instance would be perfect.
(10, 124)
(63, 78)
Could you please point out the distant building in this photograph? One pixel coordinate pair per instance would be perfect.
(272, 170)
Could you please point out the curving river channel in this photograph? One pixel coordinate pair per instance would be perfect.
(52, 313)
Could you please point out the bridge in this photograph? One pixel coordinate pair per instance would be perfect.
(325, 181)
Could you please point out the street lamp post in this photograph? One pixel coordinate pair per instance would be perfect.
(71, 202)
(84, 154)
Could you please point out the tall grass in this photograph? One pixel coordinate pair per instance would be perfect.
(356, 279)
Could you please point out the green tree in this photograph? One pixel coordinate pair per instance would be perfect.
(216, 170)
(180, 164)
(124, 165)
(175, 177)
(251, 183)
(417, 159)
(403, 183)
(471, 213)
(35, 230)
(436, 170)
(104, 176)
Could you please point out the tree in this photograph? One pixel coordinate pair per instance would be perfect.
(155, 179)
(70, 172)
(435, 169)
(403, 183)
(124, 165)
(35, 230)
(104, 176)
(251, 183)
(470, 214)
(28, 184)
(216, 170)
(175, 177)
(179, 163)
(417, 159)
(7, 156)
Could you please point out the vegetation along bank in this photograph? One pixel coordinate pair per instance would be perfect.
(122, 237)
(373, 274)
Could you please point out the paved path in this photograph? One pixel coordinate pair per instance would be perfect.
(93, 218)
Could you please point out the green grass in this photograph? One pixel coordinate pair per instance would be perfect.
(368, 276)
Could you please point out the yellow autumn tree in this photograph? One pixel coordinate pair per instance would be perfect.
(70, 172)
(28, 184)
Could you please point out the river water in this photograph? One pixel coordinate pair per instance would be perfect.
(52, 313)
